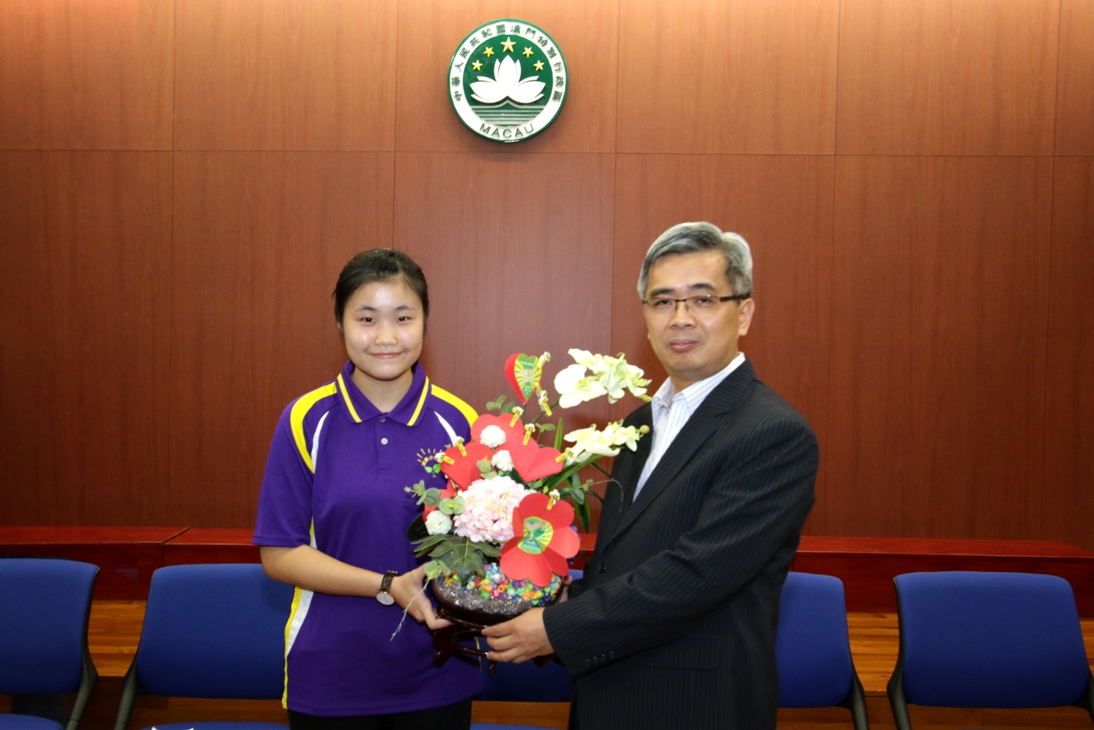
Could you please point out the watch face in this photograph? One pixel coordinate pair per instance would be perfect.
(385, 598)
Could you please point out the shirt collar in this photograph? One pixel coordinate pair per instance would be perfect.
(359, 408)
(694, 395)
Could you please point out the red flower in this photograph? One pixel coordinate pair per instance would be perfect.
(542, 540)
(513, 428)
(462, 466)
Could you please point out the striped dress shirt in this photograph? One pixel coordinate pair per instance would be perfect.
(672, 410)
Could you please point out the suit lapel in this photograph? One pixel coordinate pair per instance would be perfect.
(699, 429)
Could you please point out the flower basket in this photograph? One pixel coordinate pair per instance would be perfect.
(491, 598)
(500, 534)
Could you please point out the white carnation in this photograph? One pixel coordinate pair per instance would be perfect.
(492, 436)
(502, 461)
(438, 523)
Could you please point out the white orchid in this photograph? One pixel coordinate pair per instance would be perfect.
(592, 442)
(575, 388)
(507, 83)
(589, 442)
(611, 376)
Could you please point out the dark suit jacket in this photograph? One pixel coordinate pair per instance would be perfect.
(674, 623)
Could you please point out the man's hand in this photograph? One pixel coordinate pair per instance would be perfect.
(406, 589)
(519, 639)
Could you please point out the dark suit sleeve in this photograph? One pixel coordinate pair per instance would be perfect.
(758, 500)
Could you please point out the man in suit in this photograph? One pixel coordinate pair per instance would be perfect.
(674, 623)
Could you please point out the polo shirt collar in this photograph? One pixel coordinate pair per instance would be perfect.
(359, 408)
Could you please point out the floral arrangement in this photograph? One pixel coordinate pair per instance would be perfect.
(502, 525)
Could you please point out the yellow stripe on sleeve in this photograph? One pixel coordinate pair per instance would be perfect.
(296, 419)
(467, 411)
(349, 403)
(421, 402)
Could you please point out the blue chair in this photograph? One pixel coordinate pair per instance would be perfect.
(812, 648)
(43, 635)
(970, 639)
(214, 632)
(524, 683)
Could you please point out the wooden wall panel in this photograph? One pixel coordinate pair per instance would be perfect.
(285, 74)
(429, 34)
(937, 368)
(86, 75)
(1068, 500)
(515, 248)
(23, 229)
(783, 207)
(260, 239)
(728, 77)
(92, 412)
(947, 77)
(1075, 87)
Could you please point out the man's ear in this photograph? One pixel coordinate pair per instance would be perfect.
(748, 308)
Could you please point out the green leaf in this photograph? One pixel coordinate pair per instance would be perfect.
(558, 434)
(451, 506)
(584, 516)
(417, 530)
(547, 427)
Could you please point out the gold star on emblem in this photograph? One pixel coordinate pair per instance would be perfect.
(507, 45)
(538, 65)
(527, 52)
(488, 52)
(477, 65)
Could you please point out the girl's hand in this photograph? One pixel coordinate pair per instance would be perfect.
(407, 591)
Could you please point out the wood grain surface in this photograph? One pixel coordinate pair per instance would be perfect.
(91, 237)
(259, 240)
(526, 275)
(947, 77)
(937, 367)
(181, 180)
(1069, 416)
(429, 33)
(76, 75)
(1075, 79)
(783, 207)
(285, 74)
(728, 77)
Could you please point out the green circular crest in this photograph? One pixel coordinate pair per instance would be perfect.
(507, 80)
(537, 535)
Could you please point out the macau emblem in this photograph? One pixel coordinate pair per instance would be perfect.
(507, 80)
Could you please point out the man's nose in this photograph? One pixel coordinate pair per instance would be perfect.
(682, 316)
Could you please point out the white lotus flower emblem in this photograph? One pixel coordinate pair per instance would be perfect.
(507, 83)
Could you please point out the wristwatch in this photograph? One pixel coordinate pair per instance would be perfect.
(384, 594)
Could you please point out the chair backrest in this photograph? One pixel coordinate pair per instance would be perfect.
(812, 647)
(214, 631)
(973, 639)
(526, 683)
(44, 608)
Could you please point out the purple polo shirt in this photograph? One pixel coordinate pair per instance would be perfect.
(335, 479)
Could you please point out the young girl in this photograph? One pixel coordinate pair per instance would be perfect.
(333, 515)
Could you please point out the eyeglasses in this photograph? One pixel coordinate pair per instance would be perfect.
(701, 303)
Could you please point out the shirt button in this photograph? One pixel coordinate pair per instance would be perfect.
(383, 420)
(383, 441)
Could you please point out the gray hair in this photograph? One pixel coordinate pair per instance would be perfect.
(693, 237)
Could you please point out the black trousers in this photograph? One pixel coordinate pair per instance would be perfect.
(448, 717)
